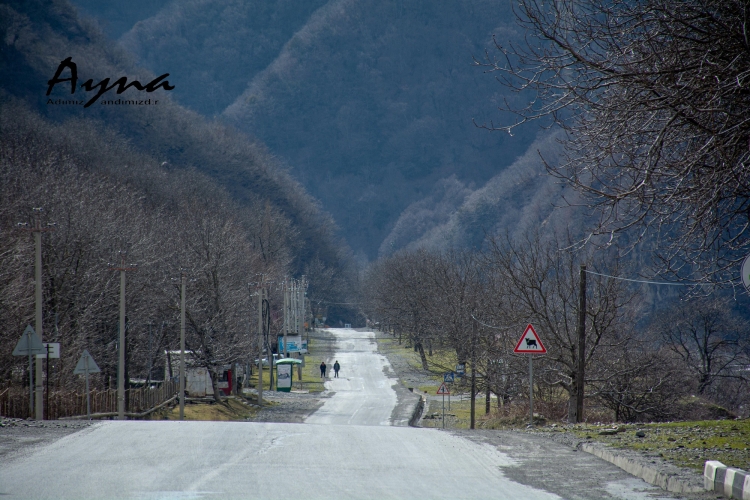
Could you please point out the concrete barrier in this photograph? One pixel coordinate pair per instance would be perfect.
(650, 473)
(731, 482)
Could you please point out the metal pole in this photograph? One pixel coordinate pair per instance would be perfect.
(31, 380)
(121, 361)
(531, 390)
(88, 397)
(581, 345)
(38, 404)
(473, 373)
(46, 402)
(287, 315)
(260, 346)
(182, 349)
(443, 410)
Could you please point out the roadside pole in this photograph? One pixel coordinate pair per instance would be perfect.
(260, 346)
(182, 347)
(443, 390)
(85, 366)
(531, 390)
(581, 345)
(530, 344)
(121, 357)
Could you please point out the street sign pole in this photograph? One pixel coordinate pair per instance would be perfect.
(29, 344)
(88, 394)
(443, 410)
(531, 390)
(85, 366)
(530, 344)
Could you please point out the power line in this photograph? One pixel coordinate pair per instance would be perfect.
(646, 281)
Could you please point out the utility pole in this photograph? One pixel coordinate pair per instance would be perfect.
(182, 346)
(581, 345)
(473, 372)
(35, 379)
(121, 360)
(261, 297)
(287, 313)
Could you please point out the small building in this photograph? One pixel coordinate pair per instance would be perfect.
(197, 378)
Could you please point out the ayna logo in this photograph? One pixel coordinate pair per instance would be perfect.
(103, 86)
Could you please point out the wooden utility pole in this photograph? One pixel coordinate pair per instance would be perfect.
(473, 372)
(261, 292)
(182, 346)
(121, 360)
(35, 380)
(581, 345)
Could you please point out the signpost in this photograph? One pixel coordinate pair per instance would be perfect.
(530, 344)
(448, 378)
(461, 369)
(443, 390)
(28, 345)
(52, 351)
(85, 366)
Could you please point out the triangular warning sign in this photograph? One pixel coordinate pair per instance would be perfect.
(530, 343)
(86, 364)
(29, 343)
(443, 390)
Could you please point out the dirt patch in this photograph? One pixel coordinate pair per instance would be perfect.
(18, 437)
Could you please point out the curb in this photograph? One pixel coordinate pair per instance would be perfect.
(417, 415)
(731, 482)
(652, 475)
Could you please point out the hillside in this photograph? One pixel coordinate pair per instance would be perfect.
(39, 35)
(370, 104)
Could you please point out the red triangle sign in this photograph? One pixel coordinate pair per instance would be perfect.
(530, 343)
(443, 390)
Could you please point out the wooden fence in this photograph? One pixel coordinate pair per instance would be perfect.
(14, 401)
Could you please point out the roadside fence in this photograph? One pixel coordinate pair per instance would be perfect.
(14, 401)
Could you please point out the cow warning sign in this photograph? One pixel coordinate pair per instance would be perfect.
(530, 343)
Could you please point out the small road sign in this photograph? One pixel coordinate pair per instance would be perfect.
(86, 364)
(29, 343)
(443, 390)
(746, 273)
(448, 377)
(460, 369)
(53, 348)
(530, 343)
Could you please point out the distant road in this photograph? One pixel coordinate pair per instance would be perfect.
(332, 456)
(363, 393)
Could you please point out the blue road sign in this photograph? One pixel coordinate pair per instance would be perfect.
(448, 377)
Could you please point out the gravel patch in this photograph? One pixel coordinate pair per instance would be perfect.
(19, 437)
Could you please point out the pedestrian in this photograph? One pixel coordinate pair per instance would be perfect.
(336, 368)
(322, 369)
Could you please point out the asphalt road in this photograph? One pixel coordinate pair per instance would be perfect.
(332, 455)
(363, 393)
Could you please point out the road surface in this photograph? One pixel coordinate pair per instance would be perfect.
(364, 394)
(332, 455)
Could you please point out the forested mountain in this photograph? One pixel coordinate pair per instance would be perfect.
(39, 35)
(371, 104)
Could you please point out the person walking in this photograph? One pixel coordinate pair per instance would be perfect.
(336, 368)
(322, 369)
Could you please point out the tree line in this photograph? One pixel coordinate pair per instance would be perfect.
(112, 204)
(689, 358)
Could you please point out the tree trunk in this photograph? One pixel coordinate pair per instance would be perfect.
(572, 400)
(422, 356)
(215, 385)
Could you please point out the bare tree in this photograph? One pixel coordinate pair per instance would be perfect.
(542, 286)
(710, 341)
(652, 94)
